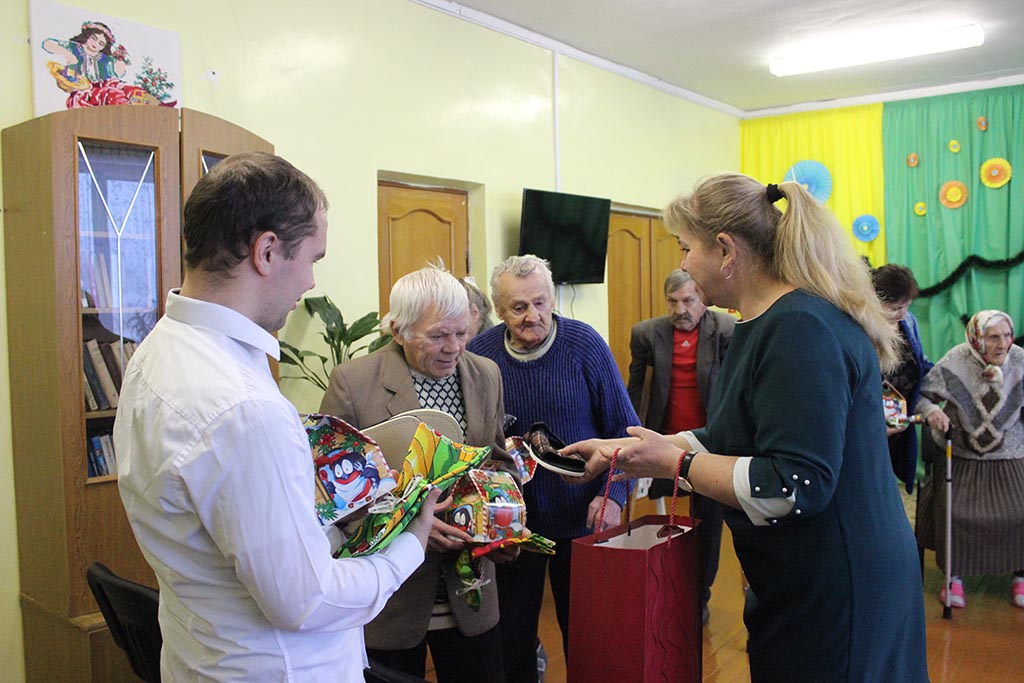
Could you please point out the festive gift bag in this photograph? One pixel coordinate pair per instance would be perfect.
(634, 611)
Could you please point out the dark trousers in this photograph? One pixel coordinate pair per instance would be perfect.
(521, 593)
(457, 658)
(709, 540)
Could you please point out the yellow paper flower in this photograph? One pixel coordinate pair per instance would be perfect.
(912, 160)
(996, 172)
(954, 146)
(982, 124)
(920, 208)
(953, 194)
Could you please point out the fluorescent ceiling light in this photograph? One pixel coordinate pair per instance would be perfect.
(877, 46)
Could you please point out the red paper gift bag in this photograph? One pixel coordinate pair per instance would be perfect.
(634, 612)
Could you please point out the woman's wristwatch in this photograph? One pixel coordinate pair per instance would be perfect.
(683, 479)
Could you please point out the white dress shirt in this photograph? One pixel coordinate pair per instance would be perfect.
(216, 476)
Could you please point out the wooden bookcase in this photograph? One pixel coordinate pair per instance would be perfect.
(79, 183)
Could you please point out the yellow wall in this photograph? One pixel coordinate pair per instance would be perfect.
(352, 90)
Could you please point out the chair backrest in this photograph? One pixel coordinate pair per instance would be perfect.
(130, 610)
(395, 434)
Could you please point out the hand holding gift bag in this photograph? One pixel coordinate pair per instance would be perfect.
(646, 573)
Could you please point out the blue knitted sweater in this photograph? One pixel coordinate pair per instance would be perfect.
(575, 389)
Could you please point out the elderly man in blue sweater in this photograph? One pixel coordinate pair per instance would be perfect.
(560, 372)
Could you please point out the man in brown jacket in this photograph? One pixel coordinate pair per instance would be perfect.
(427, 366)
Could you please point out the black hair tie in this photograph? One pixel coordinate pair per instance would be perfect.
(774, 194)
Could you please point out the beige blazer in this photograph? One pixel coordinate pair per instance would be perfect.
(373, 388)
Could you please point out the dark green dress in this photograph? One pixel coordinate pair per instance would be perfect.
(836, 583)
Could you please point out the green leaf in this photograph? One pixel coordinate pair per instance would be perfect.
(379, 342)
(362, 327)
(324, 308)
(295, 356)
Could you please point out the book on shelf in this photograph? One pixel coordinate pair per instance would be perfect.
(107, 442)
(91, 462)
(112, 358)
(106, 297)
(92, 380)
(97, 450)
(102, 373)
(90, 399)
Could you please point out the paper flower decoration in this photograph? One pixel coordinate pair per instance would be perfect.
(995, 172)
(982, 124)
(953, 194)
(814, 176)
(912, 160)
(920, 208)
(954, 146)
(866, 227)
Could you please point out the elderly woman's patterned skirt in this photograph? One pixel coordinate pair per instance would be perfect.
(988, 515)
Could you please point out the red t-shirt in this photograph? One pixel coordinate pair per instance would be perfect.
(685, 410)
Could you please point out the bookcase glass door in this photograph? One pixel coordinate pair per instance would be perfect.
(210, 160)
(117, 239)
(118, 278)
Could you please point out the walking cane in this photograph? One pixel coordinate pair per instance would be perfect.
(947, 610)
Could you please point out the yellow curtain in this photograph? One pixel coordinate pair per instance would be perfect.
(847, 141)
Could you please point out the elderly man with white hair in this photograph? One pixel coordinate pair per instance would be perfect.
(428, 366)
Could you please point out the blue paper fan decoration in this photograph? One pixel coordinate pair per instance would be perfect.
(813, 176)
(866, 227)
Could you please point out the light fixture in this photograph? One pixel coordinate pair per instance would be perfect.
(870, 47)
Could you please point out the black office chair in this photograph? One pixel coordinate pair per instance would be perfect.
(130, 610)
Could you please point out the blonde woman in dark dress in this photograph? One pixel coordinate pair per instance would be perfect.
(795, 443)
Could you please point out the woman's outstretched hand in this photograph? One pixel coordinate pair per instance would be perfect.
(595, 452)
(650, 454)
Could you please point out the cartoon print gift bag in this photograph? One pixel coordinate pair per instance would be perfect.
(433, 461)
(351, 471)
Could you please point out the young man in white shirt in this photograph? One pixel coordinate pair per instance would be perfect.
(216, 473)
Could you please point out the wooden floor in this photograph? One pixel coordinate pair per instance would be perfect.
(983, 643)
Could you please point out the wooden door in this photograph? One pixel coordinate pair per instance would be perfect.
(416, 226)
(665, 257)
(641, 254)
(629, 277)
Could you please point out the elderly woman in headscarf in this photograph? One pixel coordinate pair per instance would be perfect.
(978, 388)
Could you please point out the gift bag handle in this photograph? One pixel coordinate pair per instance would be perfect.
(608, 487)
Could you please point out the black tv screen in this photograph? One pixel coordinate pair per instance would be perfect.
(569, 230)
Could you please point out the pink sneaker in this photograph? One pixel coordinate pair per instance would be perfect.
(956, 594)
(1017, 586)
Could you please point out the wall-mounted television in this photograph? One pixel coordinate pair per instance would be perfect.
(569, 230)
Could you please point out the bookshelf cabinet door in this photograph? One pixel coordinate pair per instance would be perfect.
(69, 180)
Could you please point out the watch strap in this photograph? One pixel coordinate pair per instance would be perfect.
(683, 475)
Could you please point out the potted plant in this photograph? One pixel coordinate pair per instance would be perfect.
(340, 339)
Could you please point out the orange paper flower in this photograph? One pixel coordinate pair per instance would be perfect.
(996, 172)
(953, 194)
(954, 146)
(912, 160)
(982, 124)
(920, 208)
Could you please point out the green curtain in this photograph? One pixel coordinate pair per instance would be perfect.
(952, 136)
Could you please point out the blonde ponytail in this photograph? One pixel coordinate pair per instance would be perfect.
(813, 253)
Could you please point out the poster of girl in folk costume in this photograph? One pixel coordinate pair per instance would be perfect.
(91, 68)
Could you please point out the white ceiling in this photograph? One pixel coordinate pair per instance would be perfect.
(719, 49)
